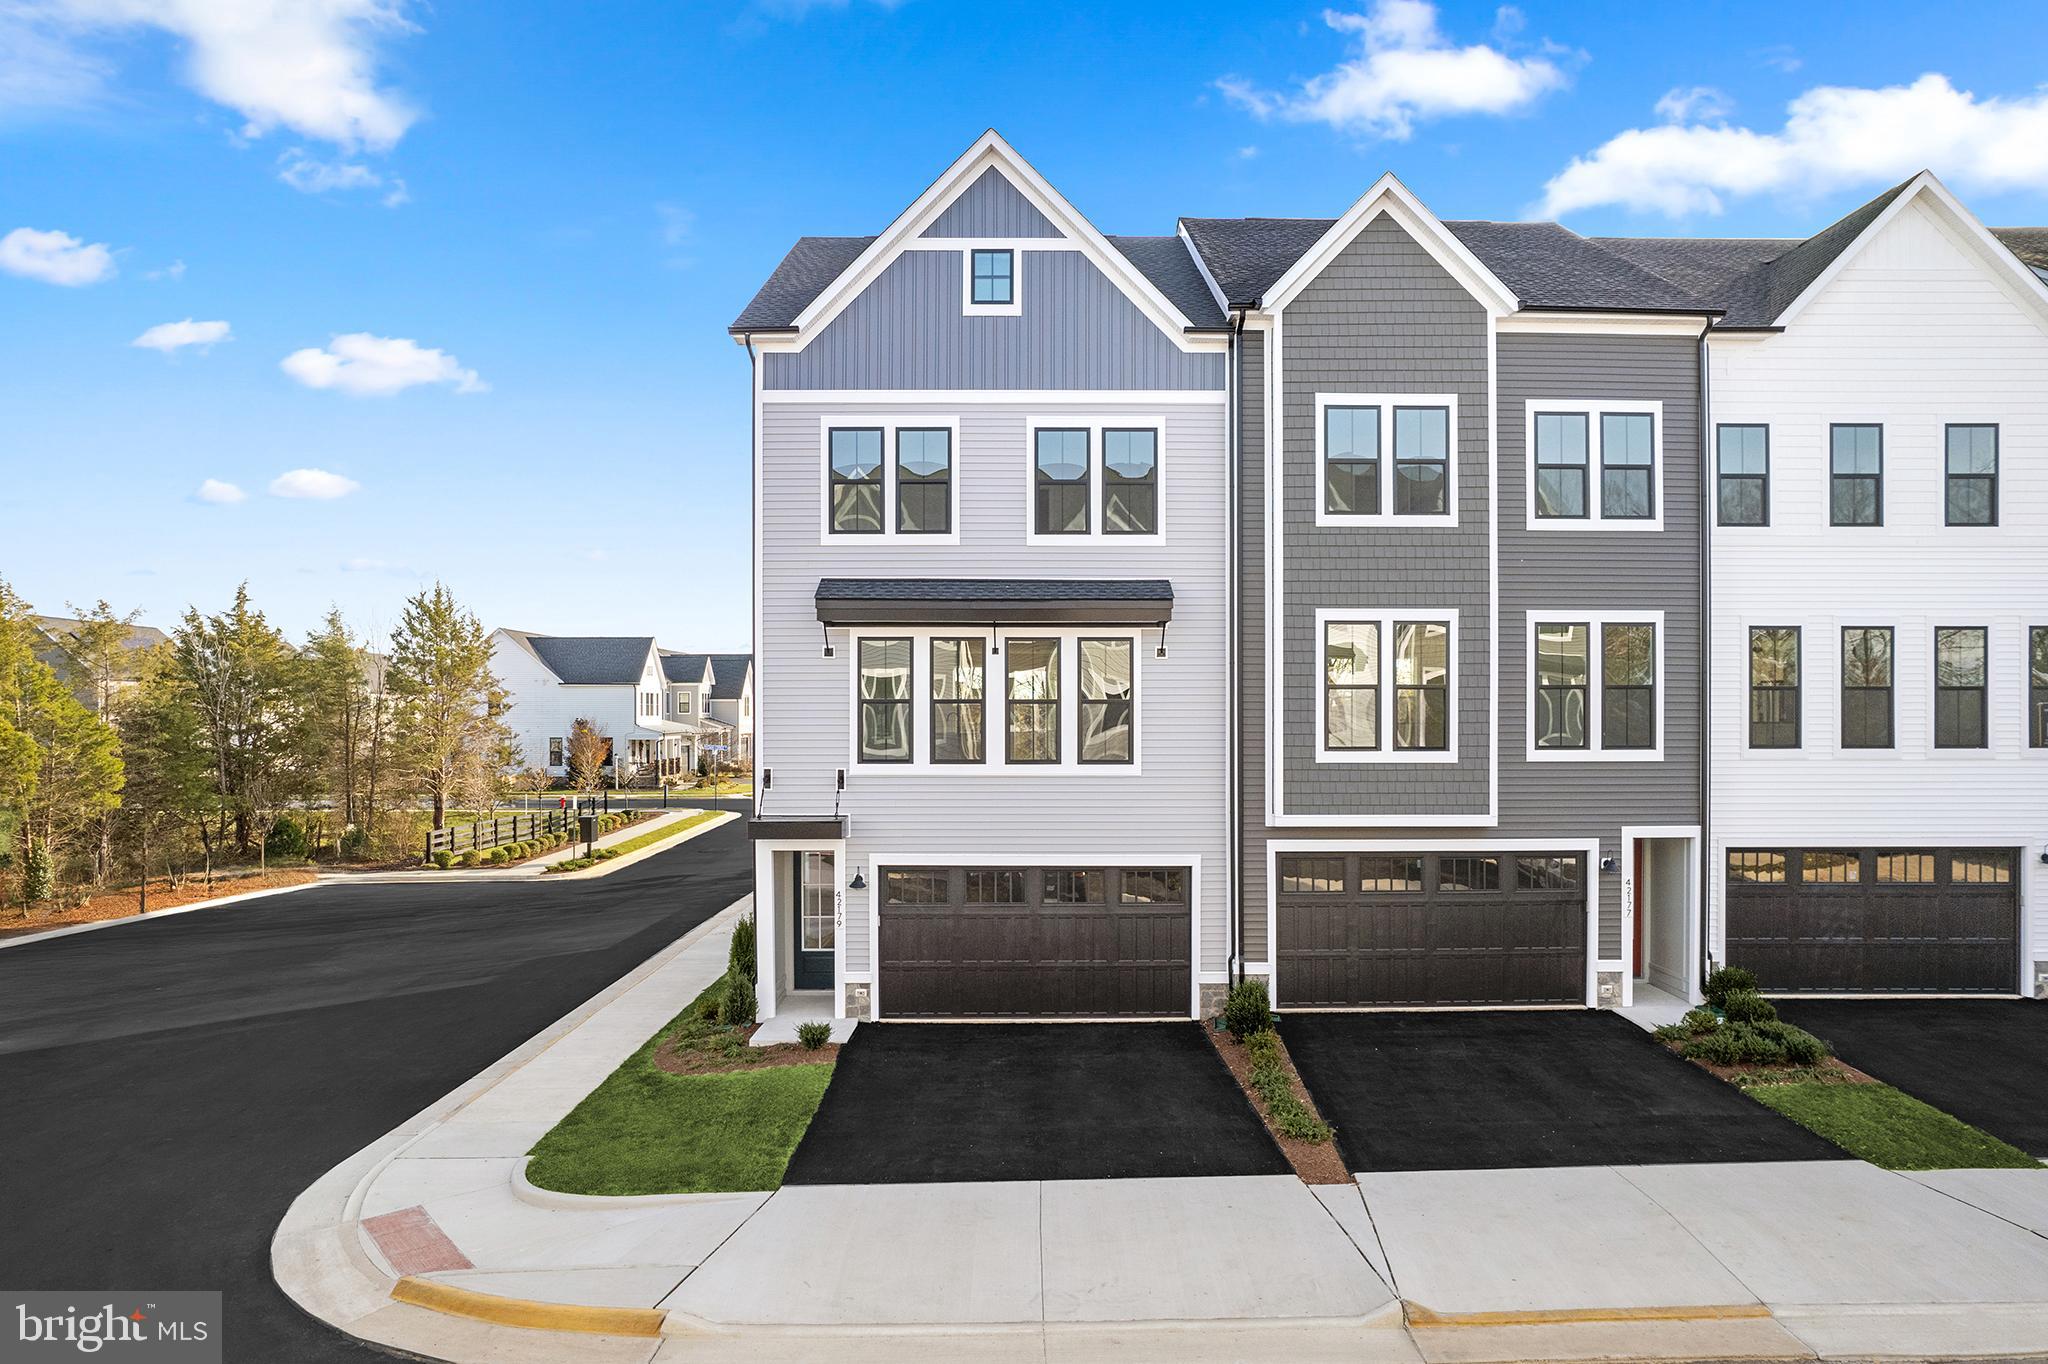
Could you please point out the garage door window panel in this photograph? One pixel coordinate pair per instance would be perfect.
(1468, 873)
(1867, 687)
(1108, 701)
(1073, 887)
(1387, 874)
(1422, 686)
(1549, 873)
(1311, 875)
(1153, 886)
(1564, 680)
(1351, 685)
(1981, 867)
(1757, 868)
(1774, 687)
(1818, 868)
(959, 692)
(885, 700)
(1960, 684)
(1905, 868)
(1032, 671)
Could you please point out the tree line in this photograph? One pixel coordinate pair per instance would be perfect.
(213, 747)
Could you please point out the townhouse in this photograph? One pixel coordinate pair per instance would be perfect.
(623, 684)
(1329, 601)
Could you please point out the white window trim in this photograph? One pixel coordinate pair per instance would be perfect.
(1385, 618)
(994, 707)
(1594, 409)
(1596, 686)
(889, 426)
(1095, 426)
(1386, 403)
(968, 307)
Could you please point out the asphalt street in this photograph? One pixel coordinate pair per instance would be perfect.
(168, 1088)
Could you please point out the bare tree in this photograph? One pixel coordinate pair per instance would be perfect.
(588, 748)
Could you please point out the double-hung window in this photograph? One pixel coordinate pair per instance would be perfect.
(856, 480)
(1108, 701)
(1628, 685)
(1386, 457)
(1972, 489)
(1032, 692)
(1561, 465)
(1628, 466)
(959, 689)
(1351, 460)
(1351, 685)
(554, 752)
(2037, 686)
(885, 700)
(1422, 685)
(1774, 686)
(1855, 475)
(1867, 686)
(994, 276)
(1060, 480)
(1564, 680)
(1422, 461)
(924, 480)
(1130, 481)
(1744, 471)
(1960, 682)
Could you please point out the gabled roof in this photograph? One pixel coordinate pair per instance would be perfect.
(678, 666)
(811, 265)
(1166, 262)
(62, 632)
(729, 674)
(589, 660)
(2030, 244)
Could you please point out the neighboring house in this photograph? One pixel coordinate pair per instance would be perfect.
(692, 688)
(54, 646)
(617, 682)
(732, 702)
(1325, 600)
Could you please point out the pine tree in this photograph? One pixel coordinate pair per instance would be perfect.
(450, 703)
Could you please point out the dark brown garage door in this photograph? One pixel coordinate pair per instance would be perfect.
(1409, 929)
(1035, 942)
(1865, 920)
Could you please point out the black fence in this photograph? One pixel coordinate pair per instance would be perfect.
(485, 834)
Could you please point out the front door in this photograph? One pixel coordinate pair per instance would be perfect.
(817, 885)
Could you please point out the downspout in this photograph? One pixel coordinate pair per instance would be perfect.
(1709, 514)
(753, 548)
(1233, 636)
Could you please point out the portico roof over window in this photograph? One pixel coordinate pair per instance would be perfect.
(994, 601)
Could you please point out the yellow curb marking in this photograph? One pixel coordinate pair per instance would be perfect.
(534, 1316)
(1420, 1316)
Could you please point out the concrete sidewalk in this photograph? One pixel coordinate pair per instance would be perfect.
(534, 867)
(432, 1242)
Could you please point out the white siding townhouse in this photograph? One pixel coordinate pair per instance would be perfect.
(616, 682)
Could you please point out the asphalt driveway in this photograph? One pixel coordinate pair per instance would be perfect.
(1505, 1089)
(918, 1103)
(1984, 1060)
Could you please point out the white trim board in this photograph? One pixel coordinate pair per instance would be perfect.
(1387, 619)
(986, 397)
(1593, 409)
(890, 425)
(1596, 685)
(1386, 405)
(1097, 535)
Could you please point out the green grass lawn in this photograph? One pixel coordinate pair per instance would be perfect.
(1890, 1129)
(644, 1131)
(653, 836)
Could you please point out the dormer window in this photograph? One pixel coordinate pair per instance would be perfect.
(994, 277)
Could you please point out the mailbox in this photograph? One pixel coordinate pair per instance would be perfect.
(587, 824)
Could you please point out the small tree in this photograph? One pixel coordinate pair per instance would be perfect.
(38, 878)
(450, 703)
(588, 748)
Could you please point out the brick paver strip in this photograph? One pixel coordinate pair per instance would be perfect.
(413, 1243)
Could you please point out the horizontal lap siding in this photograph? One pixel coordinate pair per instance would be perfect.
(1173, 810)
(1602, 571)
(1914, 333)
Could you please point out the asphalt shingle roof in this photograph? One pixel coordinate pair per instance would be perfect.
(1166, 262)
(593, 660)
(811, 264)
(729, 675)
(2030, 244)
(677, 666)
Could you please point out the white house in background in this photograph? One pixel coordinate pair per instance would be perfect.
(617, 682)
(732, 701)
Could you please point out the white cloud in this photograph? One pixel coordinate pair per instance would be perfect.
(1835, 137)
(1247, 153)
(306, 65)
(1403, 70)
(311, 176)
(375, 366)
(1780, 57)
(317, 485)
(55, 257)
(174, 271)
(171, 337)
(222, 494)
(1694, 104)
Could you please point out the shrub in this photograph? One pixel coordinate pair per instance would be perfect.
(1247, 1009)
(473, 858)
(1802, 1048)
(1747, 1006)
(444, 859)
(741, 956)
(38, 877)
(1672, 1032)
(740, 1005)
(1291, 1117)
(355, 842)
(287, 838)
(1770, 1043)
(498, 857)
(813, 1035)
(1727, 981)
(1697, 1021)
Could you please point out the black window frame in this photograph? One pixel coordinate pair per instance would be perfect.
(1794, 689)
(1648, 470)
(1836, 478)
(925, 481)
(1889, 689)
(1329, 687)
(834, 480)
(1981, 690)
(1584, 467)
(1610, 690)
(960, 706)
(1949, 477)
(1011, 703)
(1723, 477)
(1379, 446)
(2037, 686)
(1083, 702)
(1008, 277)
(1422, 690)
(903, 705)
(1442, 464)
(557, 751)
(1041, 484)
(1561, 692)
(1112, 479)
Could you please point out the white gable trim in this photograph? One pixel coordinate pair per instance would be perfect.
(991, 150)
(2029, 286)
(1391, 198)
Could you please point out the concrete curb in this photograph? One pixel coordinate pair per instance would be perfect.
(1422, 1318)
(718, 821)
(215, 903)
(527, 1313)
(526, 1191)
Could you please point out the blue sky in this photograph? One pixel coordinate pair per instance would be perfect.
(536, 221)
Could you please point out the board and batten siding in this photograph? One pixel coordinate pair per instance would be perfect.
(991, 207)
(1915, 332)
(1384, 318)
(1175, 804)
(1077, 330)
(1551, 571)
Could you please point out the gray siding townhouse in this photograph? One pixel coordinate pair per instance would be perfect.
(1327, 601)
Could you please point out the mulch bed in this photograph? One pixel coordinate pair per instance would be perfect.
(1830, 1071)
(122, 904)
(1313, 1162)
(703, 1061)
